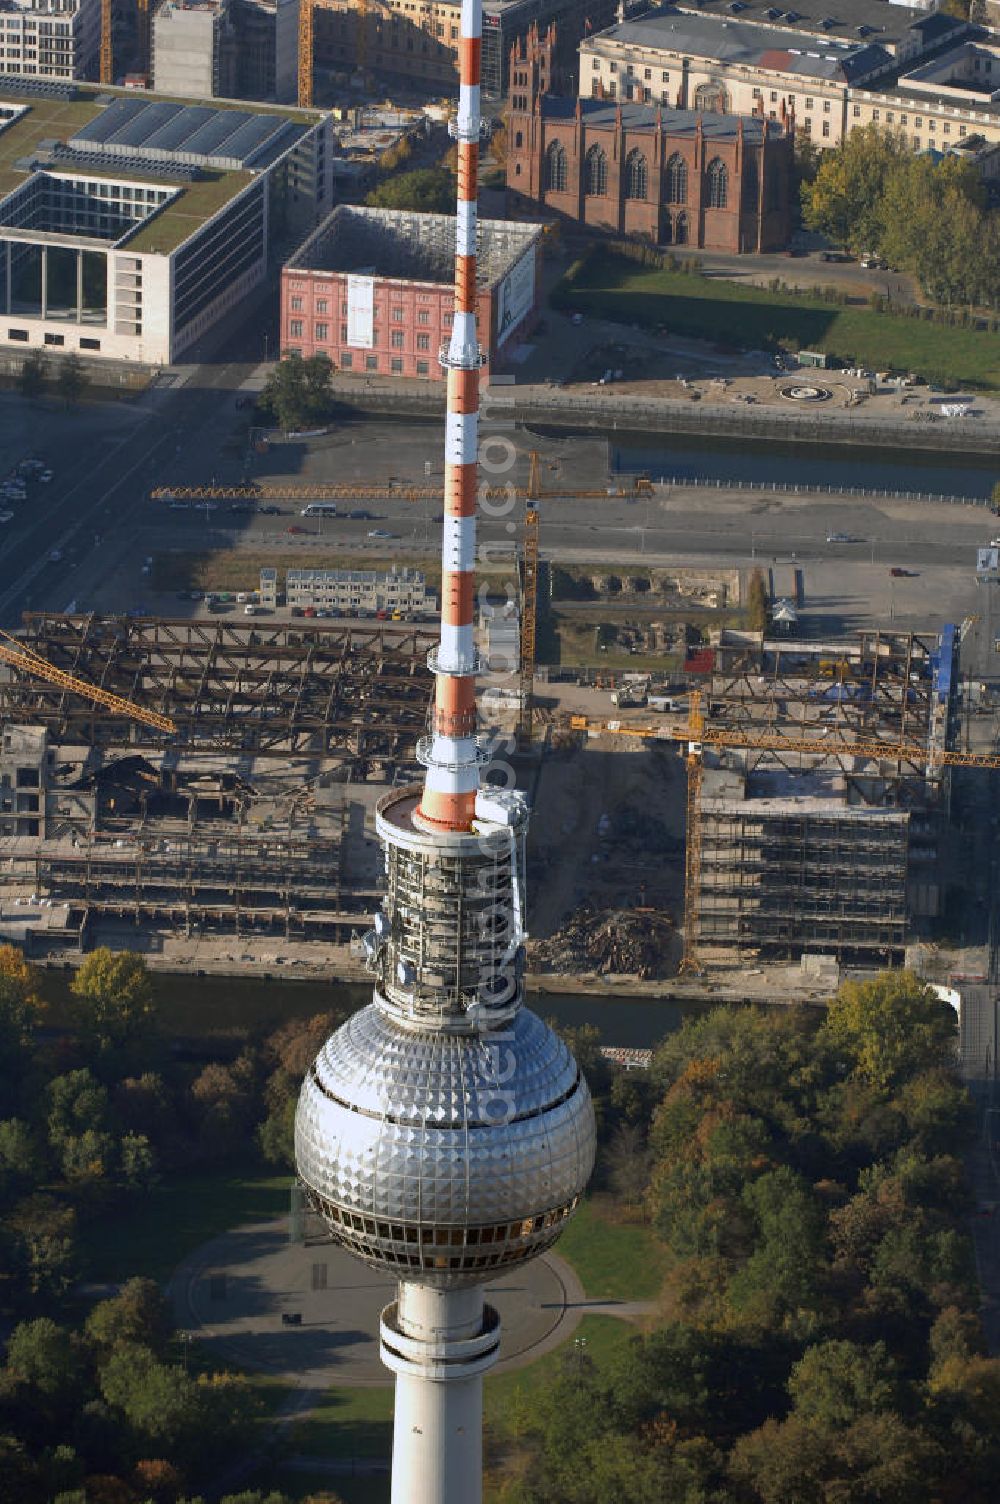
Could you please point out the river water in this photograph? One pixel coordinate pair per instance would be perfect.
(768, 463)
(213, 1011)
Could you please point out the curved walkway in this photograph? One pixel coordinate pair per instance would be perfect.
(233, 1291)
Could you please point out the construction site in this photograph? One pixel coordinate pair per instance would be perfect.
(824, 797)
(202, 776)
(793, 805)
(707, 796)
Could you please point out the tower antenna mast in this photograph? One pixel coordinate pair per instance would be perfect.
(445, 1133)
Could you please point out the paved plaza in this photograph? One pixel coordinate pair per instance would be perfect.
(231, 1295)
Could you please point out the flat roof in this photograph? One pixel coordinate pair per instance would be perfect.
(746, 44)
(843, 19)
(202, 135)
(47, 120)
(409, 247)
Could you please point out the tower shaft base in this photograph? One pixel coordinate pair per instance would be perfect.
(439, 1344)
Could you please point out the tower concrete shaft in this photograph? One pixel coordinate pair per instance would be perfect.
(452, 760)
(445, 1134)
(439, 1344)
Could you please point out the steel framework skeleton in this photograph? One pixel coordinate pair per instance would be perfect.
(328, 689)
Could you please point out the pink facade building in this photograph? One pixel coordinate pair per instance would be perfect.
(373, 289)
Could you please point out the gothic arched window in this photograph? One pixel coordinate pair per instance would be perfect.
(595, 178)
(718, 184)
(677, 180)
(556, 171)
(636, 175)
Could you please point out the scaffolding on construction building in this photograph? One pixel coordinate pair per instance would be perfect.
(325, 690)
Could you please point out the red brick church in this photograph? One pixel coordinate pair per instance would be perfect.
(673, 177)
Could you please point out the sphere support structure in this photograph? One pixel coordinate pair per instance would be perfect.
(439, 1344)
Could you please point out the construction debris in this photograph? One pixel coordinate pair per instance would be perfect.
(620, 942)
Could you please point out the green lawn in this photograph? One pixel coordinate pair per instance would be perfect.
(178, 1216)
(349, 1423)
(510, 1396)
(608, 286)
(358, 1422)
(614, 1261)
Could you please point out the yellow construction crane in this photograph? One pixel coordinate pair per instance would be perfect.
(23, 658)
(380, 491)
(107, 67)
(307, 43)
(698, 736)
(107, 44)
(529, 620)
(306, 40)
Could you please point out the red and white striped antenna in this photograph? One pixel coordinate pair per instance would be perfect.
(452, 757)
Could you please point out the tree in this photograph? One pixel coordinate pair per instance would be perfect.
(783, 1462)
(627, 1162)
(844, 200)
(892, 1027)
(138, 1314)
(34, 373)
(144, 1105)
(428, 190)
(22, 1161)
(299, 393)
(78, 1104)
(87, 1156)
(116, 1008)
(157, 1480)
(159, 1400)
(935, 227)
(225, 1100)
(757, 602)
(45, 1256)
(72, 378)
(20, 1006)
(783, 1274)
(137, 1162)
(835, 1382)
(45, 1356)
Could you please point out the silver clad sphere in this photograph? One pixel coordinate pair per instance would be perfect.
(441, 1156)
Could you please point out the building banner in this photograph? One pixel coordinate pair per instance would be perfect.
(361, 312)
(516, 295)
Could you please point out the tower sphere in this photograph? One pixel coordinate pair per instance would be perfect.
(441, 1156)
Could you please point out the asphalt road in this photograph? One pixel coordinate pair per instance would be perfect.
(680, 524)
(100, 492)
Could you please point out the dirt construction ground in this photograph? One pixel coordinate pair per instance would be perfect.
(608, 826)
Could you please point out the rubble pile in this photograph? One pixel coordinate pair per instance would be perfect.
(622, 942)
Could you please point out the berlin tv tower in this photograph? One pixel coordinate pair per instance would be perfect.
(444, 1133)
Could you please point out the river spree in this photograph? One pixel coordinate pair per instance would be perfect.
(769, 463)
(217, 1013)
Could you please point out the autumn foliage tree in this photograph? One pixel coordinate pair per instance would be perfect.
(819, 1341)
